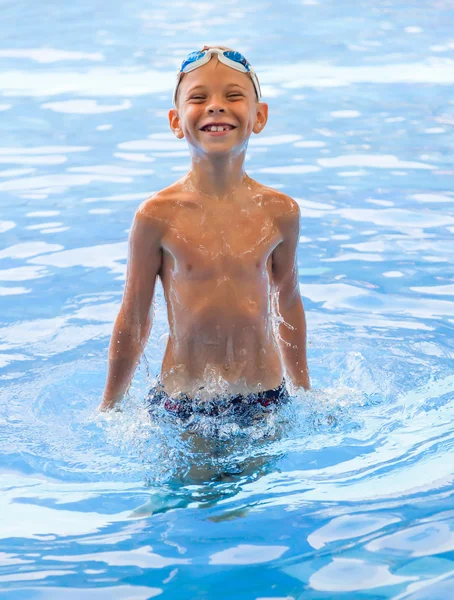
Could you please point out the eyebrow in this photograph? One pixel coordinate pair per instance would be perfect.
(196, 87)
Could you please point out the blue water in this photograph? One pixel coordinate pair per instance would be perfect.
(348, 493)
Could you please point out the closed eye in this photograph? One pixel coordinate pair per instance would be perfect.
(203, 97)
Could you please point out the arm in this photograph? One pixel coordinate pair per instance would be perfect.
(133, 323)
(292, 328)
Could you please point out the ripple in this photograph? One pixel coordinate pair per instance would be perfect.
(13, 291)
(422, 540)
(32, 521)
(112, 82)
(43, 213)
(351, 575)
(348, 256)
(348, 527)
(440, 290)
(397, 218)
(342, 295)
(103, 255)
(44, 225)
(313, 209)
(432, 198)
(435, 588)
(310, 144)
(380, 202)
(273, 140)
(345, 114)
(100, 211)
(33, 160)
(393, 274)
(119, 198)
(33, 576)
(51, 336)
(105, 592)
(44, 150)
(111, 170)
(141, 557)
(16, 172)
(319, 74)
(247, 554)
(57, 184)
(54, 229)
(290, 169)
(6, 226)
(22, 273)
(332, 295)
(49, 55)
(134, 156)
(152, 145)
(85, 107)
(379, 161)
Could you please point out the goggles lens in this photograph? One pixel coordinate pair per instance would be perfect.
(192, 58)
(237, 57)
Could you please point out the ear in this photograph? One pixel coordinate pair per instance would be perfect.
(174, 122)
(261, 117)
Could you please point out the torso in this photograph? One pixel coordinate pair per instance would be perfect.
(217, 277)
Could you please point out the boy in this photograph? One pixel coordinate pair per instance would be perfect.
(224, 247)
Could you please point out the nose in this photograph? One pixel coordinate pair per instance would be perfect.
(215, 105)
(215, 108)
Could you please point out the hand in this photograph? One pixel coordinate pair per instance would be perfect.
(108, 405)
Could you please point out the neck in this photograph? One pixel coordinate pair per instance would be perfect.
(217, 176)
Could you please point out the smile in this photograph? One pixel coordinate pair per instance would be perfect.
(217, 129)
(217, 133)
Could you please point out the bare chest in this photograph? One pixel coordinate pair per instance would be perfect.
(222, 237)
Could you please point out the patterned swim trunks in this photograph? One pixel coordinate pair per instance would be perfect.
(239, 406)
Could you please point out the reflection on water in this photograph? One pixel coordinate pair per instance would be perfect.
(346, 491)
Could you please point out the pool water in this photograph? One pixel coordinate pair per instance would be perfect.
(348, 491)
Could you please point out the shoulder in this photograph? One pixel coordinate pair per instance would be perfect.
(162, 205)
(155, 206)
(158, 209)
(282, 208)
(277, 203)
(284, 211)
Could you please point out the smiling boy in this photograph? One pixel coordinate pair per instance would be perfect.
(224, 247)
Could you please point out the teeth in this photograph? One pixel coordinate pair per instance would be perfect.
(218, 128)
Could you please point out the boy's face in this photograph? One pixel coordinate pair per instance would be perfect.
(215, 93)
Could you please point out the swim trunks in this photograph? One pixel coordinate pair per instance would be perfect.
(238, 406)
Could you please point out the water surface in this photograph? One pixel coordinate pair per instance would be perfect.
(348, 492)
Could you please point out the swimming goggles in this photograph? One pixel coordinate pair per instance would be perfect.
(232, 59)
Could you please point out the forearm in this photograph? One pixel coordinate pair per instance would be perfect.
(125, 350)
(292, 343)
